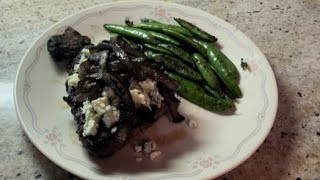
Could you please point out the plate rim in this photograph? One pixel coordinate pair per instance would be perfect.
(74, 171)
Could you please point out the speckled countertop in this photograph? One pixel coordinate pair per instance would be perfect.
(288, 33)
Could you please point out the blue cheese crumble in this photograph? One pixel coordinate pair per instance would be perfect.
(95, 111)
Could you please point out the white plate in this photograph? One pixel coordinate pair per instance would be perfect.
(219, 144)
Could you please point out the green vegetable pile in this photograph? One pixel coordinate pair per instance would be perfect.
(205, 75)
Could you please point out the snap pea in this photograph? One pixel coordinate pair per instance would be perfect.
(211, 91)
(134, 45)
(226, 93)
(178, 52)
(183, 81)
(149, 54)
(147, 20)
(176, 65)
(159, 27)
(228, 64)
(164, 38)
(185, 40)
(131, 32)
(198, 32)
(223, 73)
(206, 71)
(157, 49)
(205, 101)
(201, 43)
(224, 59)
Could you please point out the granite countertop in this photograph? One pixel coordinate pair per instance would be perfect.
(287, 33)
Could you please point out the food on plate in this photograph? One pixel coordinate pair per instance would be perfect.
(160, 27)
(148, 149)
(131, 32)
(206, 71)
(129, 81)
(230, 67)
(112, 90)
(196, 31)
(178, 52)
(192, 124)
(66, 46)
(204, 100)
(244, 65)
(188, 56)
(164, 38)
(176, 65)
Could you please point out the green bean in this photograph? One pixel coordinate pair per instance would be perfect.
(185, 40)
(159, 27)
(211, 91)
(206, 71)
(224, 59)
(182, 54)
(223, 73)
(198, 32)
(183, 81)
(131, 32)
(202, 99)
(164, 38)
(157, 49)
(176, 65)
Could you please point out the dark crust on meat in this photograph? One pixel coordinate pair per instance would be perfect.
(105, 143)
(112, 64)
(66, 46)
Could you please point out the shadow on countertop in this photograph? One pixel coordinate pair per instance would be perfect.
(272, 159)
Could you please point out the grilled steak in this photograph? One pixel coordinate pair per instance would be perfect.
(112, 89)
